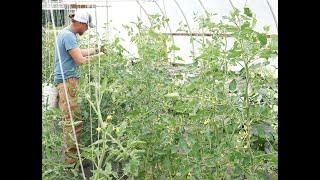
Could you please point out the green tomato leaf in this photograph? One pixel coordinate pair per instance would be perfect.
(266, 28)
(247, 12)
(245, 26)
(263, 39)
(233, 85)
(174, 94)
(274, 42)
(235, 12)
(175, 48)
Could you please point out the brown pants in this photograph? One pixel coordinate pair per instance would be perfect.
(70, 150)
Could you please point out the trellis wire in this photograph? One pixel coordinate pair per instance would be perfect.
(66, 93)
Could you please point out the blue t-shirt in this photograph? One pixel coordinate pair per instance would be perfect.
(66, 40)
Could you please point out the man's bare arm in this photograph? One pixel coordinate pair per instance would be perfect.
(88, 51)
(77, 56)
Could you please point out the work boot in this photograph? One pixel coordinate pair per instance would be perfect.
(88, 166)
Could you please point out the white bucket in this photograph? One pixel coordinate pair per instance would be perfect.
(49, 96)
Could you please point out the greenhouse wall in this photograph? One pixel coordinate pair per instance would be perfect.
(120, 12)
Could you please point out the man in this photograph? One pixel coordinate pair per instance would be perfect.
(71, 57)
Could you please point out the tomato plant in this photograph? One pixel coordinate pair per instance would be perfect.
(151, 119)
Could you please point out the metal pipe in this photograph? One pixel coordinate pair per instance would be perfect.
(205, 10)
(185, 18)
(202, 34)
(273, 15)
(144, 10)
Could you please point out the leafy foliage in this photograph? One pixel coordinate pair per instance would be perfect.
(151, 119)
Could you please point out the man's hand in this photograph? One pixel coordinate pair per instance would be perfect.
(101, 49)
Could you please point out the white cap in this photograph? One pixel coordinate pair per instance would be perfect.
(83, 17)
